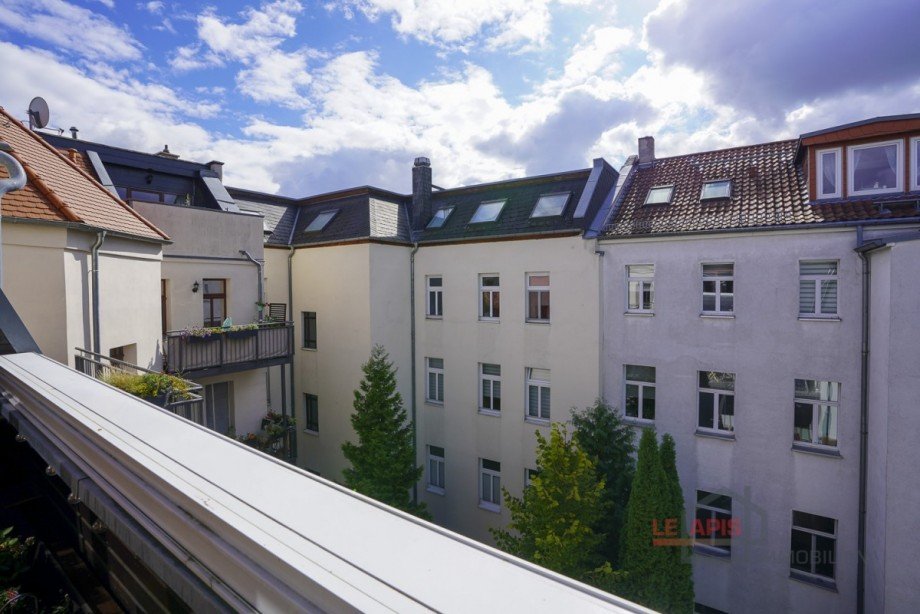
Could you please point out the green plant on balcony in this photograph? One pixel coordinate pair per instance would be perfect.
(150, 386)
(207, 332)
(13, 555)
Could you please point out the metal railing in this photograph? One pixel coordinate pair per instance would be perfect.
(187, 403)
(231, 350)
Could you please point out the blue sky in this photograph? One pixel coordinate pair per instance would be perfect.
(301, 97)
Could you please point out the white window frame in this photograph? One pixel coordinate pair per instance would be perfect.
(669, 188)
(438, 372)
(717, 279)
(529, 474)
(707, 541)
(494, 298)
(643, 282)
(851, 169)
(708, 181)
(544, 387)
(499, 201)
(819, 173)
(538, 290)
(717, 393)
(565, 203)
(819, 283)
(447, 209)
(816, 415)
(914, 163)
(641, 385)
(816, 533)
(438, 293)
(437, 470)
(490, 381)
(494, 503)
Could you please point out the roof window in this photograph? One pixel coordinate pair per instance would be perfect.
(659, 195)
(440, 216)
(488, 211)
(549, 205)
(713, 190)
(321, 220)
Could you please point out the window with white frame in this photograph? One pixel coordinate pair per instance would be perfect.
(550, 205)
(713, 527)
(529, 475)
(640, 287)
(659, 195)
(434, 382)
(538, 297)
(875, 168)
(816, 412)
(640, 392)
(717, 401)
(435, 306)
(440, 217)
(538, 387)
(488, 211)
(818, 288)
(718, 289)
(814, 545)
(828, 173)
(490, 297)
(490, 484)
(490, 386)
(436, 469)
(713, 190)
(915, 164)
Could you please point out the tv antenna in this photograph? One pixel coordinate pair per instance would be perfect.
(39, 114)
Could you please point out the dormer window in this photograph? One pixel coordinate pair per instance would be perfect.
(488, 211)
(440, 216)
(321, 220)
(875, 168)
(828, 173)
(714, 190)
(550, 205)
(659, 195)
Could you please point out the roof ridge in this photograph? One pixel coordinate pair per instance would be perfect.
(734, 148)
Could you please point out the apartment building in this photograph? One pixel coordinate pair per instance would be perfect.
(733, 289)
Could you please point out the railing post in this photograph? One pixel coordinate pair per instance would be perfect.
(259, 343)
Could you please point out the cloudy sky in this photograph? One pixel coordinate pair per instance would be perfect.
(300, 97)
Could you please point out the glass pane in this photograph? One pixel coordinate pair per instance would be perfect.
(640, 374)
(497, 396)
(727, 412)
(632, 401)
(533, 305)
(875, 168)
(828, 296)
(320, 221)
(533, 400)
(491, 369)
(436, 363)
(716, 189)
(496, 311)
(432, 386)
(706, 410)
(716, 380)
(727, 290)
(633, 295)
(488, 211)
(827, 425)
(434, 282)
(824, 556)
(491, 465)
(486, 311)
(538, 281)
(648, 402)
(648, 295)
(800, 557)
(641, 270)
(551, 204)
(486, 394)
(490, 282)
(659, 196)
(486, 487)
(807, 296)
(709, 299)
(432, 303)
(544, 305)
(544, 403)
(718, 270)
(439, 217)
(802, 422)
(818, 267)
(213, 286)
(829, 172)
(217, 311)
(441, 475)
(436, 451)
(440, 387)
(814, 522)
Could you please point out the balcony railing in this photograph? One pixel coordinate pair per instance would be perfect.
(228, 351)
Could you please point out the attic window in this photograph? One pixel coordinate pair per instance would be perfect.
(659, 195)
(713, 190)
(488, 211)
(550, 204)
(320, 221)
(875, 168)
(440, 216)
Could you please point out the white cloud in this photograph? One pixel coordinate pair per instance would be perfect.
(154, 8)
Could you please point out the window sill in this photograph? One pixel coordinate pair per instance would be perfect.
(712, 552)
(435, 490)
(711, 434)
(313, 433)
(529, 321)
(490, 412)
(434, 403)
(428, 317)
(807, 578)
(537, 421)
(643, 422)
(819, 319)
(641, 314)
(717, 316)
(309, 349)
(489, 320)
(816, 449)
(490, 507)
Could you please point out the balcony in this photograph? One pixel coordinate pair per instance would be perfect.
(214, 351)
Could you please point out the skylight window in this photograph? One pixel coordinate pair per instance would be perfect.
(440, 216)
(716, 189)
(321, 220)
(488, 211)
(550, 204)
(659, 195)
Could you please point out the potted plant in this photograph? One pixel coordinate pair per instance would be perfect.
(242, 331)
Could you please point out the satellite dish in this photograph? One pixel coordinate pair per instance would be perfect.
(39, 114)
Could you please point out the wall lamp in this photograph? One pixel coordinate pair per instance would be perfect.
(195, 287)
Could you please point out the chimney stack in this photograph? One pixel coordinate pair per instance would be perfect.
(421, 193)
(217, 167)
(646, 149)
(73, 132)
(167, 154)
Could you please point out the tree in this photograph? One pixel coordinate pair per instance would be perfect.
(680, 572)
(383, 460)
(610, 442)
(553, 523)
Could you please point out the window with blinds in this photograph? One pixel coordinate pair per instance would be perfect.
(490, 385)
(818, 288)
(538, 387)
(434, 385)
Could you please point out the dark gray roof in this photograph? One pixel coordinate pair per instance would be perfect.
(279, 213)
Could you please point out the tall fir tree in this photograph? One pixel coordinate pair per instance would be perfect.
(552, 525)
(610, 442)
(383, 460)
(680, 580)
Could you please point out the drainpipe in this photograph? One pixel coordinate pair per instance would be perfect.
(290, 273)
(100, 237)
(261, 266)
(17, 179)
(412, 339)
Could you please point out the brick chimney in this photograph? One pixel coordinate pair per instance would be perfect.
(217, 167)
(646, 149)
(421, 193)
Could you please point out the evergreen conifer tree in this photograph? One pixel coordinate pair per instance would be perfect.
(680, 572)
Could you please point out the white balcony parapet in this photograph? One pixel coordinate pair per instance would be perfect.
(257, 533)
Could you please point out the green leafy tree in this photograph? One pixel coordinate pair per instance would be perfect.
(680, 572)
(610, 442)
(383, 460)
(553, 525)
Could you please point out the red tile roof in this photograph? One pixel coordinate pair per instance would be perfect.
(60, 190)
(768, 189)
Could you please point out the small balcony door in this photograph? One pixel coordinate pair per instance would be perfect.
(218, 414)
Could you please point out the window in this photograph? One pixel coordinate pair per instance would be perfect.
(434, 384)
(828, 173)
(435, 305)
(716, 189)
(529, 475)
(320, 221)
(640, 287)
(436, 469)
(309, 329)
(640, 392)
(659, 195)
(311, 410)
(717, 401)
(490, 384)
(718, 289)
(488, 211)
(538, 297)
(550, 204)
(818, 288)
(490, 295)
(490, 484)
(218, 407)
(440, 217)
(713, 527)
(215, 301)
(538, 394)
(151, 196)
(814, 541)
(915, 163)
(875, 168)
(816, 412)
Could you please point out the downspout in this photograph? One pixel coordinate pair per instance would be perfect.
(863, 251)
(290, 273)
(261, 267)
(100, 237)
(412, 353)
(268, 379)
(601, 317)
(16, 180)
